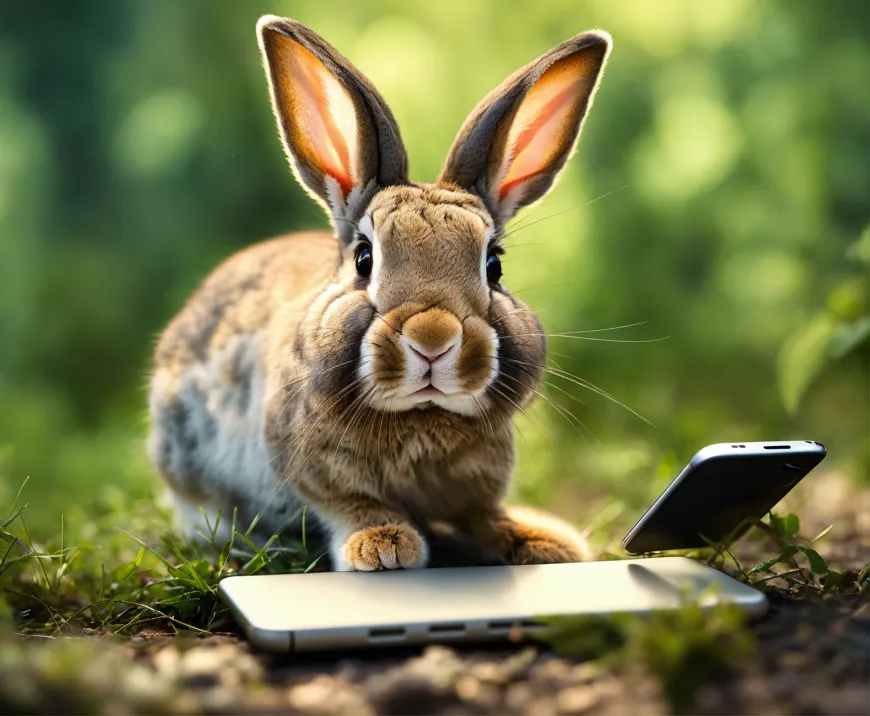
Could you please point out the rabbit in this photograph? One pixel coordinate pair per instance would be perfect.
(371, 373)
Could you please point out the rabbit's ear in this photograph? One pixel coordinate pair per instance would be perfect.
(339, 134)
(512, 147)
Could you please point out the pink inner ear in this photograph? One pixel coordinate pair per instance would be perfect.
(325, 117)
(537, 135)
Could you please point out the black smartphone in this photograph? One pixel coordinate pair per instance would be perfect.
(723, 487)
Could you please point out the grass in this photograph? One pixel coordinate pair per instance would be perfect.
(114, 581)
(97, 579)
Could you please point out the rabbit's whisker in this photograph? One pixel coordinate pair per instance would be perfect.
(484, 417)
(566, 334)
(565, 375)
(522, 226)
(301, 442)
(541, 288)
(604, 340)
(303, 381)
(582, 337)
(381, 419)
(359, 404)
(520, 409)
(573, 397)
(320, 443)
(610, 328)
(373, 415)
(531, 243)
(572, 419)
(508, 415)
(302, 439)
(368, 426)
(383, 318)
(309, 376)
(511, 312)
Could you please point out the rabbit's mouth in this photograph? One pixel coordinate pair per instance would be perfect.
(428, 358)
(428, 391)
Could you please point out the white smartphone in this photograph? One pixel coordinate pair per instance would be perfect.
(720, 491)
(340, 610)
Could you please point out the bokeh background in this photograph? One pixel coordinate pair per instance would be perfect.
(720, 195)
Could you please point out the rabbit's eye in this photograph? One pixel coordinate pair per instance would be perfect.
(493, 268)
(364, 260)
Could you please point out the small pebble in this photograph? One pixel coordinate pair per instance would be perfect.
(577, 699)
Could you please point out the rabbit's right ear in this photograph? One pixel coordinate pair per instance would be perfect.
(340, 136)
(512, 147)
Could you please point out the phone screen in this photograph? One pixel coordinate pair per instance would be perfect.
(719, 491)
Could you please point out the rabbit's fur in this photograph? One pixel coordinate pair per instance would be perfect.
(294, 374)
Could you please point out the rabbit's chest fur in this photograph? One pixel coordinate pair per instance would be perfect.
(427, 463)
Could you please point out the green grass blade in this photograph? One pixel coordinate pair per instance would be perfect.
(188, 567)
(38, 560)
(253, 524)
(228, 546)
(18, 494)
(822, 534)
(12, 517)
(312, 565)
(207, 522)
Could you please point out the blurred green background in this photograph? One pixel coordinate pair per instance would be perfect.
(724, 175)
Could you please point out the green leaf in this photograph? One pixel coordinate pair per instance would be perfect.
(786, 526)
(849, 336)
(817, 563)
(802, 359)
(764, 566)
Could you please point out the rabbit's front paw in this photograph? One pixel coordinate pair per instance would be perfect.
(536, 546)
(545, 552)
(392, 546)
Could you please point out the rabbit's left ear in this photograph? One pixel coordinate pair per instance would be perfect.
(340, 136)
(511, 148)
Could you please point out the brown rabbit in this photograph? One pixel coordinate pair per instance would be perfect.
(372, 374)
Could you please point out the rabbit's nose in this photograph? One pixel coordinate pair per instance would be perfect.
(428, 353)
(431, 334)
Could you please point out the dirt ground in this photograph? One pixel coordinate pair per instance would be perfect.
(811, 658)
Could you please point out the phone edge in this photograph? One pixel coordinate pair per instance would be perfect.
(716, 450)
